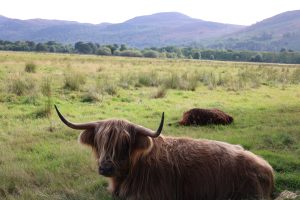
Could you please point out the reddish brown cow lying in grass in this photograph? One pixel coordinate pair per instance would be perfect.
(199, 116)
(143, 165)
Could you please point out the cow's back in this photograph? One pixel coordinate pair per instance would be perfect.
(187, 169)
(218, 170)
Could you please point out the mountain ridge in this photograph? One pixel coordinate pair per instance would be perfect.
(150, 30)
(162, 29)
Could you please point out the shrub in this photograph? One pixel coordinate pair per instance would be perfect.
(74, 80)
(30, 67)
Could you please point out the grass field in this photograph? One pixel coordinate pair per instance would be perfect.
(40, 158)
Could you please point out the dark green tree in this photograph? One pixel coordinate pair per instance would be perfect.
(84, 48)
(104, 51)
(123, 47)
(196, 55)
(41, 47)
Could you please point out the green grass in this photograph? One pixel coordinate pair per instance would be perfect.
(36, 163)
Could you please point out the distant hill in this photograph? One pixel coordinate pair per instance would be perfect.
(162, 29)
(152, 30)
(41, 30)
(272, 34)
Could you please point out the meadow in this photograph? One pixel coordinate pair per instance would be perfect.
(40, 158)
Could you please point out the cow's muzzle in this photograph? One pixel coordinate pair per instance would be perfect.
(106, 168)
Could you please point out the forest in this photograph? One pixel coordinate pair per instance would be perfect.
(285, 55)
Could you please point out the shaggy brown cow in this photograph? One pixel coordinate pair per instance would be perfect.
(143, 165)
(198, 116)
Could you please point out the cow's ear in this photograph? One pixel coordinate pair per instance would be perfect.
(87, 137)
(142, 143)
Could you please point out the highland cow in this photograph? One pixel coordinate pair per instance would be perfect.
(141, 164)
(198, 116)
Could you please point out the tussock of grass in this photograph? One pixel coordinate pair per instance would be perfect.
(106, 86)
(74, 80)
(148, 79)
(161, 92)
(127, 80)
(178, 81)
(91, 96)
(30, 67)
(296, 76)
(19, 84)
(42, 112)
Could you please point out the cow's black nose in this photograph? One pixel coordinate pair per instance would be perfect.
(106, 169)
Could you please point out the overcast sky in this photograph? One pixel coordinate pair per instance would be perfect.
(244, 12)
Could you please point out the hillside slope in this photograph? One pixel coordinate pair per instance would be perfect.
(272, 34)
(151, 30)
(162, 29)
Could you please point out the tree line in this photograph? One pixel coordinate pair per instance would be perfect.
(284, 56)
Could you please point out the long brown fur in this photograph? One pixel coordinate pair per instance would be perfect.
(199, 116)
(169, 168)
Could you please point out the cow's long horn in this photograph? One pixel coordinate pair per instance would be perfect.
(150, 133)
(75, 125)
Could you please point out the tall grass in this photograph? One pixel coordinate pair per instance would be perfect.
(295, 77)
(148, 79)
(127, 80)
(36, 164)
(46, 89)
(184, 81)
(30, 67)
(92, 96)
(74, 80)
(106, 86)
(160, 92)
(21, 84)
